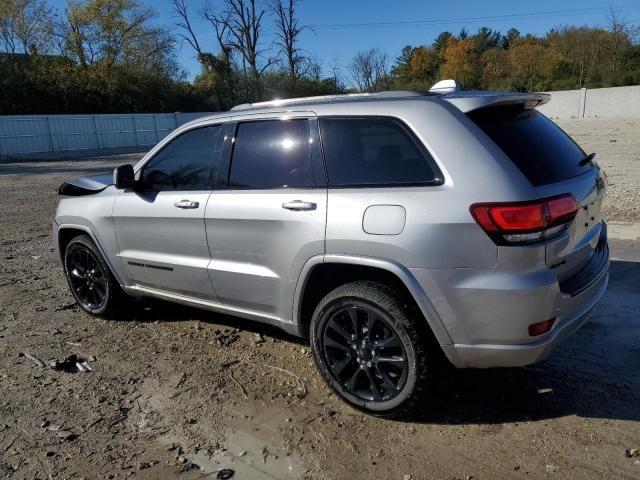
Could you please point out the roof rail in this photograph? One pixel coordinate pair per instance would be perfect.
(328, 98)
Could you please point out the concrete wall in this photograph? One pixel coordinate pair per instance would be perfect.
(614, 102)
(24, 135)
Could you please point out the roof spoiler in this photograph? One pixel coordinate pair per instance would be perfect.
(469, 101)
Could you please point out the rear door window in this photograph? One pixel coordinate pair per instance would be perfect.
(374, 151)
(542, 151)
(272, 154)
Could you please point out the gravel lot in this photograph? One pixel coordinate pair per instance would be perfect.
(181, 393)
(617, 145)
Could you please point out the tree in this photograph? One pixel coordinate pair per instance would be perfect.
(495, 69)
(243, 19)
(401, 68)
(217, 71)
(113, 42)
(461, 62)
(580, 50)
(440, 43)
(288, 30)
(111, 32)
(486, 39)
(370, 71)
(423, 67)
(26, 26)
(530, 65)
(510, 38)
(619, 38)
(416, 68)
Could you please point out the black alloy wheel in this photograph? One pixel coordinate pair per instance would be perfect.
(369, 345)
(86, 277)
(91, 282)
(365, 354)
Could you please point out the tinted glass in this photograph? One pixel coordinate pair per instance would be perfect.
(272, 153)
(365, 151)
(540, 149)
(189, 162)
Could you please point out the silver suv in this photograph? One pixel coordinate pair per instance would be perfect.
(387, 228)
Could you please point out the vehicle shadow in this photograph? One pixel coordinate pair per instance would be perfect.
(154, 310)
(593, 374)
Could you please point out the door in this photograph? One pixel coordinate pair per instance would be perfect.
(160, 225)
(271, 217)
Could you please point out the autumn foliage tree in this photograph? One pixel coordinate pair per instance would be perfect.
(496, 69)
(461, 62)
(570, 57)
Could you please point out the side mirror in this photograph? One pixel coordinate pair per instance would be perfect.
(123, 177)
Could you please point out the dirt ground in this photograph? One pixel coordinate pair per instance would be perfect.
(177, 393)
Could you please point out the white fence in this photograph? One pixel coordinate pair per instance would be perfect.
(24, 135)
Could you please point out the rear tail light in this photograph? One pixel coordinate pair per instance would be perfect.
(525, 222)
(540, 328)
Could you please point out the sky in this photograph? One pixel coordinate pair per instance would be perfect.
(341, 28)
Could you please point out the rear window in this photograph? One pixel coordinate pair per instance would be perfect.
(373, 151)
(539, 148)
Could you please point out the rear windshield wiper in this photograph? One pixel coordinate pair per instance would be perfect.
(587, 159)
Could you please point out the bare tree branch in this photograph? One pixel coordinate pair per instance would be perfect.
(370, 70)
(288, 31)
(184, 24)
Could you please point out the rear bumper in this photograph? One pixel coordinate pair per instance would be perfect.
(487, 355)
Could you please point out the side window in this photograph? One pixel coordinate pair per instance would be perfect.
(272, 153)
(189, 162)
(374, 151)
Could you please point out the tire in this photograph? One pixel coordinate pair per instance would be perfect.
(355, 370)
(91, 282)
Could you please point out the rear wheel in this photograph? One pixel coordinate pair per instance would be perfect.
(90, 280)
(368, 349)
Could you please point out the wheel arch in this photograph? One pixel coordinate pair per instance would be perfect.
(341, 269)
(66, 232)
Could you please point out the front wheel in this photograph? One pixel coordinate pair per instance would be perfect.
(90, 280)
(368, 348)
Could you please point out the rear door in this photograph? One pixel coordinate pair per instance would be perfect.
(271, 217)
(555, 165)
(160, 224)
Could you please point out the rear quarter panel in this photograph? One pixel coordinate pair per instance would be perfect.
(440, 231)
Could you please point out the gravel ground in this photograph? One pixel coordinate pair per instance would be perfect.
(177, 393)
(617, 147)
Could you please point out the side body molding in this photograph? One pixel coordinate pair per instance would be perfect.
(398, 270)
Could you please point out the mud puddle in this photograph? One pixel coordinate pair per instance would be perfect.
(251, 447)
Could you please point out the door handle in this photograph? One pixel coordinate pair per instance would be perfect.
(186, 204)
(299, 205)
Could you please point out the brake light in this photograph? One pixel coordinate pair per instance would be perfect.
(525, 222)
